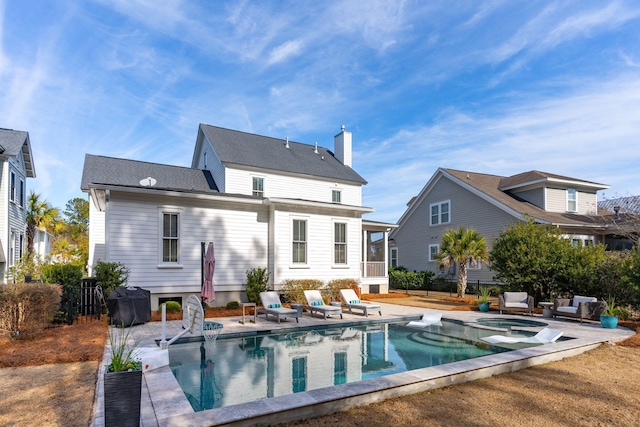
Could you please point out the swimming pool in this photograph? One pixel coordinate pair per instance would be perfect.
(240, 370)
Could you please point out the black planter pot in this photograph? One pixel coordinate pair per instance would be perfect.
(122, 391)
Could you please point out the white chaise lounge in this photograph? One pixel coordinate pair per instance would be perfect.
(545, 336)
(272, 306)
(428, 318)
(352, 301)
(315, 304)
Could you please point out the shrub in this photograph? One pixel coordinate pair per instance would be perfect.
(26, 308)
(69, 277)
(293, 289)
(333, 287)
(30, 263)
(110, 275)
(257, 281)
(403, 279)
(172, 307)
(232, 305)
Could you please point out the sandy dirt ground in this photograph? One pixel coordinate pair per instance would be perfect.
(50, 381)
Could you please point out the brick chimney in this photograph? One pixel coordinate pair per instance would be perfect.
(342, 147)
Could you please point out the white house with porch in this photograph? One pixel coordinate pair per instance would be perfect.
(293, 208)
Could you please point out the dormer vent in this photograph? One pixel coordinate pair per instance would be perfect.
(286, 145)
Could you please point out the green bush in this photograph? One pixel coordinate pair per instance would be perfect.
(26, 308)
(293, 289)
(232, 305)
(69, 277)
(172, 307)
(400, 278)
(110, 275)
(257, 281)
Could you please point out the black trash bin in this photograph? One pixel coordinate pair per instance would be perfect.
(129, 306)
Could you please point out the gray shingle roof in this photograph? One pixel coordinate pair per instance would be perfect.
(101, 170)
(263, 152)
(628, 205)
(534, 175)
(14, 141)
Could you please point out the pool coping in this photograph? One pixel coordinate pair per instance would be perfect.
(164, 403)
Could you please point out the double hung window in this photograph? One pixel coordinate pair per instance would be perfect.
(440, 213)
(572, 200)
(258, 186)
(339, 243)
(170, 237)
(433, 252)
(299, 248)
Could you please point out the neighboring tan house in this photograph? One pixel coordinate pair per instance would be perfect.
(16, 163)
(293, 208)
(490, 203)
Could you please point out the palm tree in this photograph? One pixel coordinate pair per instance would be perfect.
(462, 246)
(39, 214)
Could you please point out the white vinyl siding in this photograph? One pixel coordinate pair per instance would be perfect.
(134, 236)
(339, 243)
(96, 235)
(433, 252)
(292, 187)
(572, 200)
(440, 212)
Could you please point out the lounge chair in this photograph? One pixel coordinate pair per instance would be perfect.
(352, 301)
(428, 318)
(316, 305)
(579, 307)
(545, 336)
(515, 301)
(272, 306)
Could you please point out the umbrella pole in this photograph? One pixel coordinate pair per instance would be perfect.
(202, 245)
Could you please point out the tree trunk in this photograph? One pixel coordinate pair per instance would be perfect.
(462, 280)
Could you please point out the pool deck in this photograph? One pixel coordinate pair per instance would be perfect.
(164, 403)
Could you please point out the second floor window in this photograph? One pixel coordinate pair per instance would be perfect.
(336, 196)
(440, 213)
(572, 200)
(12, 190)
(258, 186)
(299, 249)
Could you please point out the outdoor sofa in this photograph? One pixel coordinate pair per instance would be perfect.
(515, 301)
(579, 307)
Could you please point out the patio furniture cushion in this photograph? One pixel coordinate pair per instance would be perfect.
(516, 299)
(567, 309)
(578, 299)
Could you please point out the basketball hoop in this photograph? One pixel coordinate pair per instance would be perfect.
(210, 331)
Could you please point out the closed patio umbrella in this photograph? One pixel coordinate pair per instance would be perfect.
(209, 267)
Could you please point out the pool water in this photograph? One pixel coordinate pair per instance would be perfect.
(500, 322)
(239, 370)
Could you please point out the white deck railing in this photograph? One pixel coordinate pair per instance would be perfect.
(373, 269)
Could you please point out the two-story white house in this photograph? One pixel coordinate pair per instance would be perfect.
(293, 208)
(490, 203)
(16, 165)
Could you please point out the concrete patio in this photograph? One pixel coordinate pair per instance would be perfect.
(164, 403)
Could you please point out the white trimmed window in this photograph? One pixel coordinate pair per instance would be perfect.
(258, 186)
(21, 195)
(12, 189)
(170, 237)
(336, 196)
(572, 200)
(204, 160)
(477, 267)
(393, 257)
(339, 243)
(440, 213)
(299, 243)
(12, 248)
(433, 252)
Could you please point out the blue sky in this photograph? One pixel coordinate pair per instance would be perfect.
(496, 87)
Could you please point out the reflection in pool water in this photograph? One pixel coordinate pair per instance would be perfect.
(238, 370)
